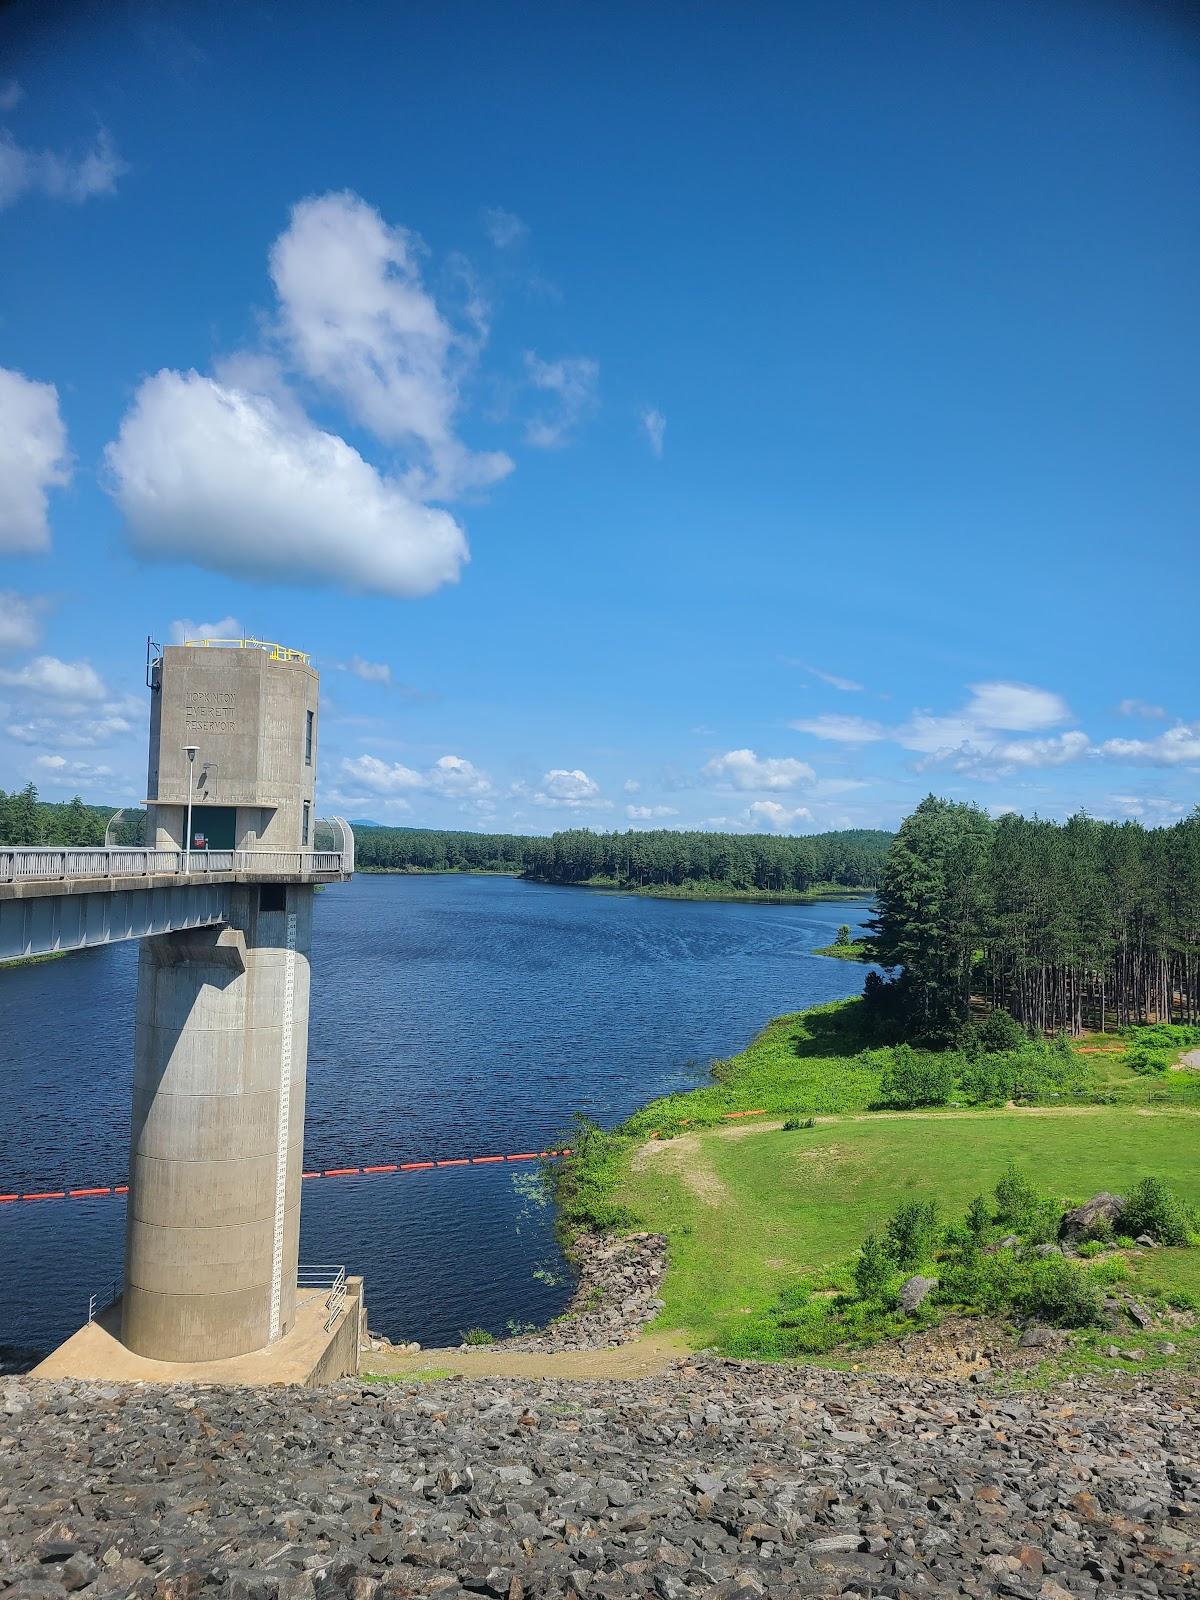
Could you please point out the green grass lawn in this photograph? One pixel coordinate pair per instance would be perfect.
(749, 1212)
(791, 1202)
(807, 1062)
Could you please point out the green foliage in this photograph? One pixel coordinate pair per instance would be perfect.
(914, 1078)
(932, 901)
(1053, 1290)
(1164, 1036)
(26, 820)
(843, 935)
(978, 1220)
(1023, 1209)
(477, 1336)
(1153, 1207)
(911, 1233)
(1113, 1269)
(1035, 1071)
(996, 1033)
(586, 1184)
(875, 1276)
(663, 859)
(796, 1124)
(1143, 1060)
(1051, 921)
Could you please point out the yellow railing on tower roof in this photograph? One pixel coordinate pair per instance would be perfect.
(276, 652)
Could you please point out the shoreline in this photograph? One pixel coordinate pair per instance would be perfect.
(813, 896)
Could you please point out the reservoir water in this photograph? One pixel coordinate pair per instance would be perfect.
(450, 1016)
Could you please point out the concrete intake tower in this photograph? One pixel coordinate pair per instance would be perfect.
(221, 1036)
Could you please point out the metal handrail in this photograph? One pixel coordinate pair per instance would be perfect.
(325, 1276)
(25, 863)
(276, 652)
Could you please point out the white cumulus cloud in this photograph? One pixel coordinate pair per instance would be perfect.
(229, 480)
(743, 769)
(368, 671)
(33, 459)
(20, 627)
(1178, 746)
(58, 767)
(647, 813)
(183, 629)
(975, 739)
(570, 788)
(450, 776)
(771, 814)
(357, 320)
(47, 677)
(1002, 757)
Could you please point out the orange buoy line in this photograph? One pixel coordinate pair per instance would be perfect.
(325, 1172)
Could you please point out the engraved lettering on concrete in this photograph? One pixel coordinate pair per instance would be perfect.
(210, 711)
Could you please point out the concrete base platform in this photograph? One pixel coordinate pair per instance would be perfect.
(307, 1356)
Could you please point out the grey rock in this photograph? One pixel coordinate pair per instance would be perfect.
(914, 1291)
(739, 1479)
(1093, 1219)
(834, 1542)
(1138, 1313)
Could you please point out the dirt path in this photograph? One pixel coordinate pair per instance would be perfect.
(647, 1357)
(682, 1156)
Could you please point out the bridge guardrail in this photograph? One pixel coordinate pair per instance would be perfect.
(22, 864)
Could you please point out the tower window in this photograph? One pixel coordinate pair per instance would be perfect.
(308, 738)
(304, 826)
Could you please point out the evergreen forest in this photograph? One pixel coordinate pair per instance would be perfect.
(1067, 926)
(662, 858)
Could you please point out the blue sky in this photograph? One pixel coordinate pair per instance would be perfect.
(743, 416)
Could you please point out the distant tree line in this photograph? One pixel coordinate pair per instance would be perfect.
(25, 819)
(673, 857)
(438, 850)
(637, 859)
(1064, 925)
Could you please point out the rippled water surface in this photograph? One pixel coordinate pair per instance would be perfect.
(450, 1016)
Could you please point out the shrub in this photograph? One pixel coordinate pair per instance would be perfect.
(1024, 1209)
(996, 1033)
(1165, 1035)
(794, 1124)
(914, 1078)
(1049, 1287)
(1091, 1247)
(875, 1272)
(1143, 1060)
(478, 1336)
(978, 1218)
(843, 936)
(1113, 1269)
(973, 1279)
(1153, 1207)
(1034, 1070)
(911, 1233)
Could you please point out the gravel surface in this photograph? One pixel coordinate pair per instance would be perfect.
(712, 1480)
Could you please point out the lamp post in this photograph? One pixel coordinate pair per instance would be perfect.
(187, 838)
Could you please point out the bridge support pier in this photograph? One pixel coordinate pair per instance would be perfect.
(216, 1150)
